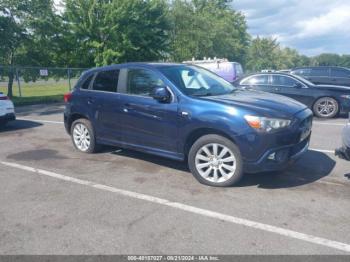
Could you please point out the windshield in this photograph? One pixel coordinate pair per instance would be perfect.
(305, 81)
(196, 81)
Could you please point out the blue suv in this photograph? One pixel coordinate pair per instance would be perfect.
(185, 112)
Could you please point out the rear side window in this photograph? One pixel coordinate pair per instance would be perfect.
(87, 82)
(106, 81)
(340, 73)
(141, 82)
(319, 72)
(256, 80)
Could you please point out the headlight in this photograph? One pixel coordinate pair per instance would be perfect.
(265, 123)
(345, 96)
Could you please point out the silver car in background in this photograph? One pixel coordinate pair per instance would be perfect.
(7, 110)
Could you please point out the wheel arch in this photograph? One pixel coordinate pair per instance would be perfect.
(193, 136)
(73, 117)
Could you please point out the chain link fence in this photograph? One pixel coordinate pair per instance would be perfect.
(38, 81)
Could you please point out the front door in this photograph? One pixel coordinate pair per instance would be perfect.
(288, 86)
(147, 122)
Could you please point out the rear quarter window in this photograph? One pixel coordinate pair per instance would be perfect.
(86, 83)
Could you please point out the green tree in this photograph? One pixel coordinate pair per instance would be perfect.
(28, 30)
(207, 28)
(115, 31)
(263, 53)
(328, 60)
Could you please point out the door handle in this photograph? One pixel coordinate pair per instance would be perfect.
(90, 101)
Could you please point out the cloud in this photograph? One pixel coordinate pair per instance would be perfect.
(310, 26)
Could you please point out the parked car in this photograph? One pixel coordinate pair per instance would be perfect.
(183, 112)
(344, 151)
(327, 75)
(7, 110)
(230, 71)
(325, 101)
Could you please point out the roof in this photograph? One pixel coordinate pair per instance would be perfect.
(143, 64)
(312, 67)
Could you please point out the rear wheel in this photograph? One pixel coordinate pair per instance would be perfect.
(326, 107)
(83, 136)
(215, 161)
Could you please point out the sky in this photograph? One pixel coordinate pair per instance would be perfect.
(310, 26)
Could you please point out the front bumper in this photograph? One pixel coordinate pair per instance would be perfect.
(278, 158)
(8, 117)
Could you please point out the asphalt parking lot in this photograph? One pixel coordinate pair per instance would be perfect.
(55, 200)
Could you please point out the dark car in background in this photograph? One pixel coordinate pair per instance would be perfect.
(325, 101)
(327, 75)
(185, 112)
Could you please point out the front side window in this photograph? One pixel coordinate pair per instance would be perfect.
(278, 80)
(196, 81)
(106, 81)
(256, 80)
(141, 82)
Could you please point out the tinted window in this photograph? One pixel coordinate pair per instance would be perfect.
(142, 82)
(87, 82)
(106, 81)
(319, 72)
(283, 80)
(302, 71)
(340, 73)
(256, 80)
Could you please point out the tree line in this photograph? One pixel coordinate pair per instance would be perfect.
(88, 33)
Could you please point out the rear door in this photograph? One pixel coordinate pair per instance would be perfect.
(340, 76)
(288, 86)
(105, 102)
(256, 82)
(147, 122)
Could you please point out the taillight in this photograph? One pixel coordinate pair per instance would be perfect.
(4, 98)
(67, 97)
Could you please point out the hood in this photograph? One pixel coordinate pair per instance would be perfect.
(334, 88)
(268, 104)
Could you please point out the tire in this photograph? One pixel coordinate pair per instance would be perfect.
(89, 141)
(326, 107)
(203, 165)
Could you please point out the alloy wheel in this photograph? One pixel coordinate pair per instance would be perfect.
(326, 107)
(81, 137)
(215, 162)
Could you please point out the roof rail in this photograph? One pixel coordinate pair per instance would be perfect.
(206, 60)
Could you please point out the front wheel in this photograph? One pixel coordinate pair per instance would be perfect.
(326, 107)
(215, 161)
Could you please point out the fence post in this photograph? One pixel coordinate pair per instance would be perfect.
(70, 87)
(18, 83)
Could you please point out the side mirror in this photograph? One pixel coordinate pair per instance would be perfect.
(161, 94)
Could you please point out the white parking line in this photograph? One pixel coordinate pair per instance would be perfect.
(40, 121)
(322, 150)
(329, 124)
(195, 210)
